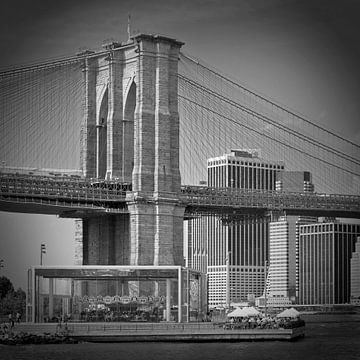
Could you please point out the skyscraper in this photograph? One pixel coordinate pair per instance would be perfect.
(325, 251)
(283, 280)
(236, 252)
(282, 285)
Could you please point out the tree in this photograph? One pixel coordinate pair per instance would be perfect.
(11, 301)
(14, 302)
(5, 286)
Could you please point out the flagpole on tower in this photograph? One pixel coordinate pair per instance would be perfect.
(128, 26)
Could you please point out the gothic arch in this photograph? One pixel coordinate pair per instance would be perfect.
(128, 132)
(101, 136)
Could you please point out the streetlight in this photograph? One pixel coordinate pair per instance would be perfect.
(265, 297)
(1, 263)
(42, 251)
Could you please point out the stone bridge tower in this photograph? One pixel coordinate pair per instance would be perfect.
(130, 133)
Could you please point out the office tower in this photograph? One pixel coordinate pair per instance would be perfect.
(243, 169)
(236, 252)
(282, 285)
(325, 250)
(355, 274)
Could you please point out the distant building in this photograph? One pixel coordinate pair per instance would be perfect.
(243, 169)
(294, 181)
(283, 247)
(325, 251)
(244, 242)
(282, 285)
(195, 233)
(355, 274)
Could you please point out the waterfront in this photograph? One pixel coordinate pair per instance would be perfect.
(327, 337)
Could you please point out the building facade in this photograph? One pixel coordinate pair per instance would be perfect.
(325, 251)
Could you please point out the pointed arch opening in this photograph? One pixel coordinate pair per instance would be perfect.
(101, 137)
(128, 134)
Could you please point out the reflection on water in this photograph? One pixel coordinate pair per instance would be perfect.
(325, 339)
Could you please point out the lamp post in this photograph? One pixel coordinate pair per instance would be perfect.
(42, 251)
(265, 296)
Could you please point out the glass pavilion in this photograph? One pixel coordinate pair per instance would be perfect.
(116, 293)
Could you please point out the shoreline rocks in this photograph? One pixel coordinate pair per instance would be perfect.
(26, 338)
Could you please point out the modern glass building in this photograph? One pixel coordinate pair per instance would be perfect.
(116, 293)
(325, 251)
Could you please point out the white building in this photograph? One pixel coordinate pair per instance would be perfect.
(283, 279)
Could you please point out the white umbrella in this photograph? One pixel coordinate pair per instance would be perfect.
(237, 313)
(244, 312)
(251, 311)
(289, 313)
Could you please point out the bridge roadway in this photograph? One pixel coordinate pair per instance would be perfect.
(73, 196)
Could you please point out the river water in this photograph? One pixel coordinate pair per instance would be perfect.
(327, 337)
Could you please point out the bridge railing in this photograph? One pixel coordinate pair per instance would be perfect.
(72, 188)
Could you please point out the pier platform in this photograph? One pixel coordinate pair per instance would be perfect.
(162, 332)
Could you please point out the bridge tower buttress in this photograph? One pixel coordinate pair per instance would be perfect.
(116, 142)
(156, 216)
(87, 132)
(135, 85)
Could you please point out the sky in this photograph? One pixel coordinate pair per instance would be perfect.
(301, 53)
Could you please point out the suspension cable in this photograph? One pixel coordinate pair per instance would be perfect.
(197, 62)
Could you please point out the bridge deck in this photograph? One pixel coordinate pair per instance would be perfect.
(73, 196)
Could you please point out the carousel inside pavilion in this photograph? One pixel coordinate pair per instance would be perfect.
(115, 293)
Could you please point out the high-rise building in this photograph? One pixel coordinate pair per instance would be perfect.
(243, 169)
(355, 274)
(235, 252)
(282, 285)
(325, 251)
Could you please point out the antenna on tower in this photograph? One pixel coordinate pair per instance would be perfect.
(128, 26)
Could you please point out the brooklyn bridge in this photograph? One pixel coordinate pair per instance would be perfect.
(120, 138)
